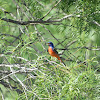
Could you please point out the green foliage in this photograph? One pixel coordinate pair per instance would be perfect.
(58, 84)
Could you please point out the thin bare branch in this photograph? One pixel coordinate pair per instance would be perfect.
(51, 9)
(96, 23)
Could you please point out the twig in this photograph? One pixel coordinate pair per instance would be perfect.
(51, 9)
(70, 43)
(2, 94)
(89, 48)
(2, 55)
(96, 23)
(7, 12)
(40, 3)
(9, 35)
(8, 85)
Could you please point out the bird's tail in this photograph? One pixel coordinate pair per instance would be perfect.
(61, 60)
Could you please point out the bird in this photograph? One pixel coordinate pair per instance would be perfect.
(52, 51)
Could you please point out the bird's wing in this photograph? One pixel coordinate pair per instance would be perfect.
(55, 50)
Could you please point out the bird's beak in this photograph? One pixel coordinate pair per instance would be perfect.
(48, 44)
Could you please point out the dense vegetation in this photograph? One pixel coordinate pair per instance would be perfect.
(27, 71)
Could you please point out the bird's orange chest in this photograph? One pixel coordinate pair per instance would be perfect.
(51, 52)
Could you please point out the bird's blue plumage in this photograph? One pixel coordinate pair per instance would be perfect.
(51, 45)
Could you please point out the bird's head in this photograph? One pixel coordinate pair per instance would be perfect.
(50, 44)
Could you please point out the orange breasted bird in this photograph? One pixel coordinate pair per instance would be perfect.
(53, 52)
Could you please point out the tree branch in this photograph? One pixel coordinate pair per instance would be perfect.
(5, 84)
(51, 9)
(36, 22)
(96, 23)
(89, 48)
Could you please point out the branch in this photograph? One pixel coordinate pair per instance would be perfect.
(2, 94)
(71, 43)
(3, 55)
(26, 22)
(19, 66)
(9, 35)
(21, 22)
(89, 48)
(51, 9)
(10, 86)
(36, 22)
(96, 23)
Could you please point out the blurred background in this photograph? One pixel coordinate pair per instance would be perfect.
(27, 71)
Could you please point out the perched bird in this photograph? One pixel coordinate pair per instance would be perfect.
(53, 52)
